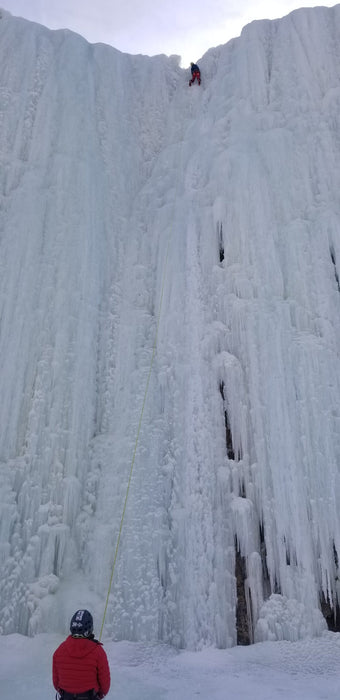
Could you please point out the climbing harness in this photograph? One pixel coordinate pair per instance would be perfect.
(88, 695)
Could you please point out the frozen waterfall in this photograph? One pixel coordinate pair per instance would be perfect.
(113, 173)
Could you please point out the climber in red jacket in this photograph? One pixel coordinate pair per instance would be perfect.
(80, 667)
(195, 74)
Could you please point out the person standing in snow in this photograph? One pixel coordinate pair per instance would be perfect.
(80, 666)
(195, 74)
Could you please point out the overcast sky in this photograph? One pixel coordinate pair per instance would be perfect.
(184, 27)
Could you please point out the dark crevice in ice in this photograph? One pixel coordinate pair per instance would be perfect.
(333, 258)
(330, 609)
(220, 242)
(242, 621)
(265, 573)
(228, 435)
(331, 613)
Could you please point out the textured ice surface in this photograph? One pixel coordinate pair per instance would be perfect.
(105, 161)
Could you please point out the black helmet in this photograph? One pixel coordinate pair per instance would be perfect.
(81, 624)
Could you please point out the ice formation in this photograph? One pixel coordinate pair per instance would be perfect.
(117, 181)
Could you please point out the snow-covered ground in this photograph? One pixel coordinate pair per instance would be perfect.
(119, 187)
(307, 670)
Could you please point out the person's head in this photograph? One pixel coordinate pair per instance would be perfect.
(81, 624)
(192, 63)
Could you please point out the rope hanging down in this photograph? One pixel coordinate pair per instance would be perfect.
(136, 442)
(144, 399)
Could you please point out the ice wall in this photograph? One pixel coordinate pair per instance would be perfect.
(113, 171)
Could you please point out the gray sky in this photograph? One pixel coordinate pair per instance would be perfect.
(187, 28)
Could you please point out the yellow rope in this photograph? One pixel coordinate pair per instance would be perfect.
(144, 401)
(136, 442)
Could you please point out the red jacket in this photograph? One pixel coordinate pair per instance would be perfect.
(81, 664)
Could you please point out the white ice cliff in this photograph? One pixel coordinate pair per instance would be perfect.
(114, 173)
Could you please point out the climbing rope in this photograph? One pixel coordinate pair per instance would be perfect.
(146, 387)
(137, 439)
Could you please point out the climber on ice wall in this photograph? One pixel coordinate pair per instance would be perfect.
(195, 74)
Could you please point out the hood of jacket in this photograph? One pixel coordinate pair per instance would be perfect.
(79, 647)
